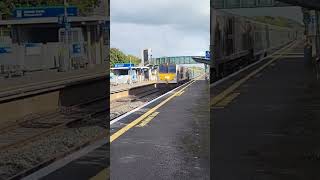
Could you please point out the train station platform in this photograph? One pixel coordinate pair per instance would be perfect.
(125, 87)
(166, 139)
(266, 121)
(43, 92)
(33, 81)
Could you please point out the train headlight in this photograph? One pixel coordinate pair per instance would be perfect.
(167, 77)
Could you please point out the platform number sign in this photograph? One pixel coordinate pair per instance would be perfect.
(19, 14)
(60, 19)
(76, 48)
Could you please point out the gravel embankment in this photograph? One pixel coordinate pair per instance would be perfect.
(17, 160)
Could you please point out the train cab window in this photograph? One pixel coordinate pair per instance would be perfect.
(163, 68)
(172, 68)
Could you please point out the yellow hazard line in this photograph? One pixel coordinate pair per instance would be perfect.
(216, 99)
(180, 93)
(227, 100)
(103, 175)
(148, 119)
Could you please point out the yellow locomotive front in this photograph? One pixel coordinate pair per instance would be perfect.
(167, 73)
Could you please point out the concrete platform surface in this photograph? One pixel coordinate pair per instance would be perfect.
(37, 79)
(268, 127)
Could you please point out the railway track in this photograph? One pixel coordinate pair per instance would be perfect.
(30, 130)
(93, 108)
(117, 106)
(122, 101)
(36, 127)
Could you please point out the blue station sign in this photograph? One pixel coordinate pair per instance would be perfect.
(36, 12)
(5, 50)
(76, 48)
(123, 65)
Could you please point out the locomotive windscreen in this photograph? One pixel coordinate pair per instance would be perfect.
(172, 68)
(163, 68)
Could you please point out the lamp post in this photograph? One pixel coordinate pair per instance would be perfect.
(130, 80)
(130, 72)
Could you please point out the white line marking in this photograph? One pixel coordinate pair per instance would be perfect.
(150, 102)
(241, 70)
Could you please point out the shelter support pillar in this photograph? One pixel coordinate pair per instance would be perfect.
(89, 49)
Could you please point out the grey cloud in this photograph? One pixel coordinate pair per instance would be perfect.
(185, 14)
(164, 40)
(169, 27)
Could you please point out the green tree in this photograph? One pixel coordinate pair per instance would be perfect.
(116, 56)
(85, 6)
(134, 59)
(5, 8)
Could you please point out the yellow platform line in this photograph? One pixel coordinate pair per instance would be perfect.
(103, 175)
(138, 120)
(227, 100)
(148, 119)
(216, 99)
(180, 93)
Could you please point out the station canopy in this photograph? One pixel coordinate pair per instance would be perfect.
(232, 4)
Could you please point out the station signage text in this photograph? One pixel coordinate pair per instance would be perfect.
(123, 65)
(35, 12)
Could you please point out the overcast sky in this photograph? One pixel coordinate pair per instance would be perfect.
(169, 27)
